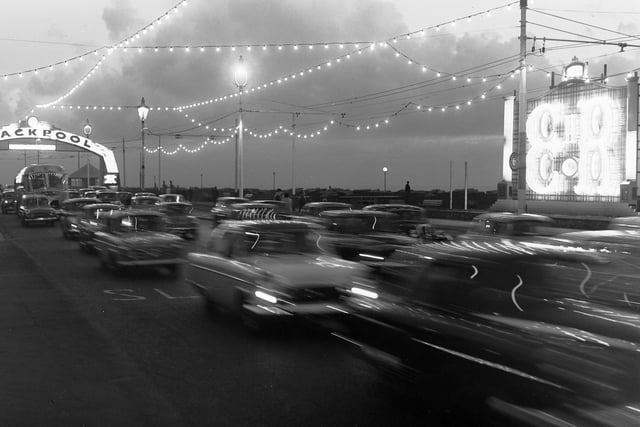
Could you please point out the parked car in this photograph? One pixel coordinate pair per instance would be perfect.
(8, 201)
(362, 235)
(144, 193)
(172, 198)
(36, 208)
(179, 220)
(107, 196)
(265, 271)
(139, 202)
(92, 219)
(221, 209)
(70, 212)
(508, 315)
(137, 238)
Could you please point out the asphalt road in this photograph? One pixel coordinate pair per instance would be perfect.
(81, 347)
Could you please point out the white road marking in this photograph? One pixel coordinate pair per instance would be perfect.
(167, 296)
(513, 292)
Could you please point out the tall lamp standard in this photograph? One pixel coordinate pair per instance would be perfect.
(143, 112)
(87, 132)
(384, 171)
(240, 76)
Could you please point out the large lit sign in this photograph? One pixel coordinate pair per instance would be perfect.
(13, 132)
(577, 145)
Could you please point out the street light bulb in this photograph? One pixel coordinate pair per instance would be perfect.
(143, 110)
(240, 74)
(384, 169)
(87, 129)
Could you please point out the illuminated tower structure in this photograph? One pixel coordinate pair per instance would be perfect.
(582, 148)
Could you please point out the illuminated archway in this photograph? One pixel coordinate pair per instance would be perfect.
(38, 131)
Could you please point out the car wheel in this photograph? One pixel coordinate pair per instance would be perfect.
(249, 321)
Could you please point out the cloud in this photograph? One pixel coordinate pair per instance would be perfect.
(120, 18)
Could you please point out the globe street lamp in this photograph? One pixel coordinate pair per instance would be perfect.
(240, 76)
(87, 132)
(143, 112)
(384, 171)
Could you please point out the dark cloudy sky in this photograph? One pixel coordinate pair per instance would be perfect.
(365, 89)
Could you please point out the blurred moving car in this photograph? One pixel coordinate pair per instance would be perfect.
(92, 219)
(221, 209)
(270, 270)
(625, 223)
(413, 221)
(314, 208)
(35, 208)
(8, 201)
(137, 238)
(172, 198)
(262, 209)
(70, 212)
(509, 225)
(179, 220)
(505, 314)
(367, 236)
(144, 202)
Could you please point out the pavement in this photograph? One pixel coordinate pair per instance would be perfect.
(57, 367)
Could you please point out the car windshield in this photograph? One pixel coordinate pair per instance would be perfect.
(10, 196)
(281, 241)
(36, 202)
(146, 201)
(177, 209)
(108, 197)
(133, 223)
(77, 206)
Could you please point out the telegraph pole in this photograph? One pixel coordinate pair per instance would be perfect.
(293, 153)
(124, 167)
(522, 112)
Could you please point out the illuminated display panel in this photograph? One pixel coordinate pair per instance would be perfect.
(576, 143)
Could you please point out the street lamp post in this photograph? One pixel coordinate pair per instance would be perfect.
(143, 112)
(384, 171)
(240, 77)
(87, 132)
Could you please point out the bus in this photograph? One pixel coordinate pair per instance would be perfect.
(48, 179)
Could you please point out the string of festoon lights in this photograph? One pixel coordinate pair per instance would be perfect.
(452, 106)
(333, 123)
(125, 46)
(109, 51)
(359, 50)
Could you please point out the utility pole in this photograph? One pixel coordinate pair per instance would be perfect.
(522, 112)
(465, 186)
(293, 153)
(236, 169)
(124, 167)
(159, 152)
(450, 184)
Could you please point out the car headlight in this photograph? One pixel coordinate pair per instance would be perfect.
(368, 293)
(265, 296)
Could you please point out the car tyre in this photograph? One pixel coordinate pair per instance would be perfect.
(248, 320)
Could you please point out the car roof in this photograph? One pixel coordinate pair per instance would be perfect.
(390, 207)
(511, 216)
(136, 212)
(267, 224)
(81, 199)
(102, 206)
(320, 204)
(161, 204)
(357, 213)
